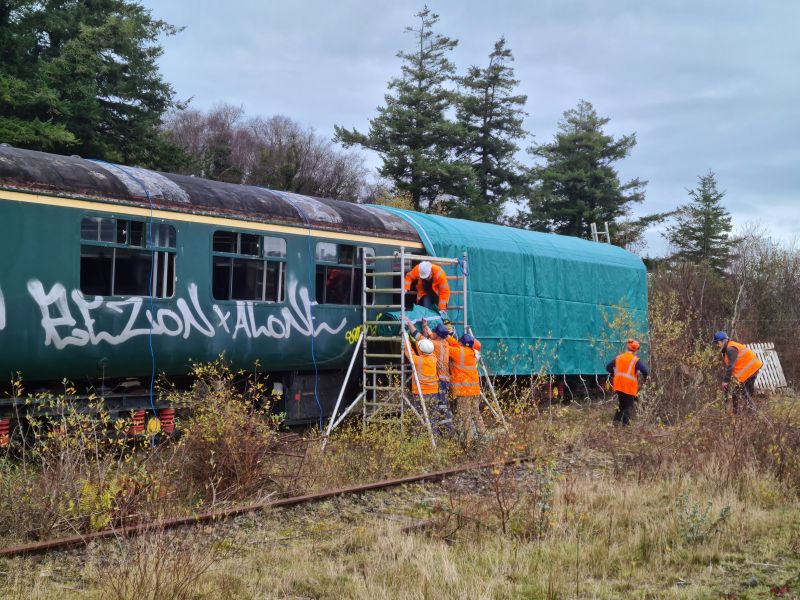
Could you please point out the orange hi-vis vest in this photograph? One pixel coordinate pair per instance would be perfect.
(441, 352)
(425, 366)
(746, 364)
(464, 378)
(625, 378)
(439, 284)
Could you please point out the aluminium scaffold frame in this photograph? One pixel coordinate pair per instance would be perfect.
(385, 385)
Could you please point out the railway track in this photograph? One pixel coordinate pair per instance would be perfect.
(77, 541)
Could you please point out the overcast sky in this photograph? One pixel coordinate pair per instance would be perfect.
(704, 84)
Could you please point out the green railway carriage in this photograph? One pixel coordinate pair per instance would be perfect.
(256, 275)
(111, 272)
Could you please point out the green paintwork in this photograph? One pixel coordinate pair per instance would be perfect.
(41, 243)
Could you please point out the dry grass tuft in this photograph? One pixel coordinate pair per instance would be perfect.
(158, 565)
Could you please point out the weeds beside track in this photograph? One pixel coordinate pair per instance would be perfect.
(216, 516)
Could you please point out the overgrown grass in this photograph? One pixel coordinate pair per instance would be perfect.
(702, 504)
(603, 539)
(705, 509)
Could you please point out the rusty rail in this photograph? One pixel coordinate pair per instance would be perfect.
(124, 532)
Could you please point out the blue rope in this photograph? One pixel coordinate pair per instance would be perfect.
(310, 287)
(462, 264)
(152, 311)
(152, 269)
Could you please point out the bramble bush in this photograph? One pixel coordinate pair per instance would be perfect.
(229, 438)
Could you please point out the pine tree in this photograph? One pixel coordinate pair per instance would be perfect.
(82, 77)
(577, 184)
(411, 133)
(701, 232)
(491, 115)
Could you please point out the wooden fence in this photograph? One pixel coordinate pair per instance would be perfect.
(770, 377)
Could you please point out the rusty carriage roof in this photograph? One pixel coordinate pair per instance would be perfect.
(30, 171)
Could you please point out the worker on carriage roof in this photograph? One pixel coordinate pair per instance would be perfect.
(742, 364)
(625, 369)
(433, 291)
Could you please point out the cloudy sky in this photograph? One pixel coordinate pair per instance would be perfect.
(705, 84)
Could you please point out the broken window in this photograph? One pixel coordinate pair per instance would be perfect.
(248, 266)
(338, 273)
(121, 257)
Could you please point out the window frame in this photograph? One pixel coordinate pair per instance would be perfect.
(283, 262)
(353, 267)
(158, 250)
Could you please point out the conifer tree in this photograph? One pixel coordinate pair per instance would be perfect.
(701, 232)
(82, 77)
(491, 116)
(578, 184)
(412, 133)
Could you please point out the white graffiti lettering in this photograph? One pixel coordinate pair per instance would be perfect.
(58, 297)
(241, 321)
(143, 317)
(207, 329)
(223, 318)
(2, 311)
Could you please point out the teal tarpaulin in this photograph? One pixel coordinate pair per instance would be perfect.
(540, 301)
(415, 315)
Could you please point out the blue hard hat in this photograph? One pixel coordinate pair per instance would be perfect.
(441, 330)
(720, 336)
(466, 340)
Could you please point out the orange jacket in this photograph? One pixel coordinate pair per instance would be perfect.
(425, 365)
(439, 284)
(746, 363)
(464, 378)
(441, 352)
(626, 379)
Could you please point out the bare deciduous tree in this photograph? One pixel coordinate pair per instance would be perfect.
(274, 152)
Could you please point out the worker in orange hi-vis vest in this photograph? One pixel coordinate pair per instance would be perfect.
(466, 384)
(625, 369)
(442, 340)
(433, 291)
(424, 361)
(741, 364)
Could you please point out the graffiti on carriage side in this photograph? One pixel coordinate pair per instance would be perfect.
(2, 311)
(354, 334)
(74, 323)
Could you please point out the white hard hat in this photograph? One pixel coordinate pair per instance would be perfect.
(425, 346)
(425, 269)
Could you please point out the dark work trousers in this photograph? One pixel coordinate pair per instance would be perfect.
(444, 392)
(748, 390)
(625, 410)
(438, 413)
(430, 299)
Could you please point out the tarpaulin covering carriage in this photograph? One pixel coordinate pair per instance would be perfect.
(539, 301)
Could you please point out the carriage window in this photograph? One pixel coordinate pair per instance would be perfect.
(338, 274)
(248, 267)
(120, 257)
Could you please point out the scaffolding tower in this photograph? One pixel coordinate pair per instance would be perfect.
(386, 371)
(384, 346)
